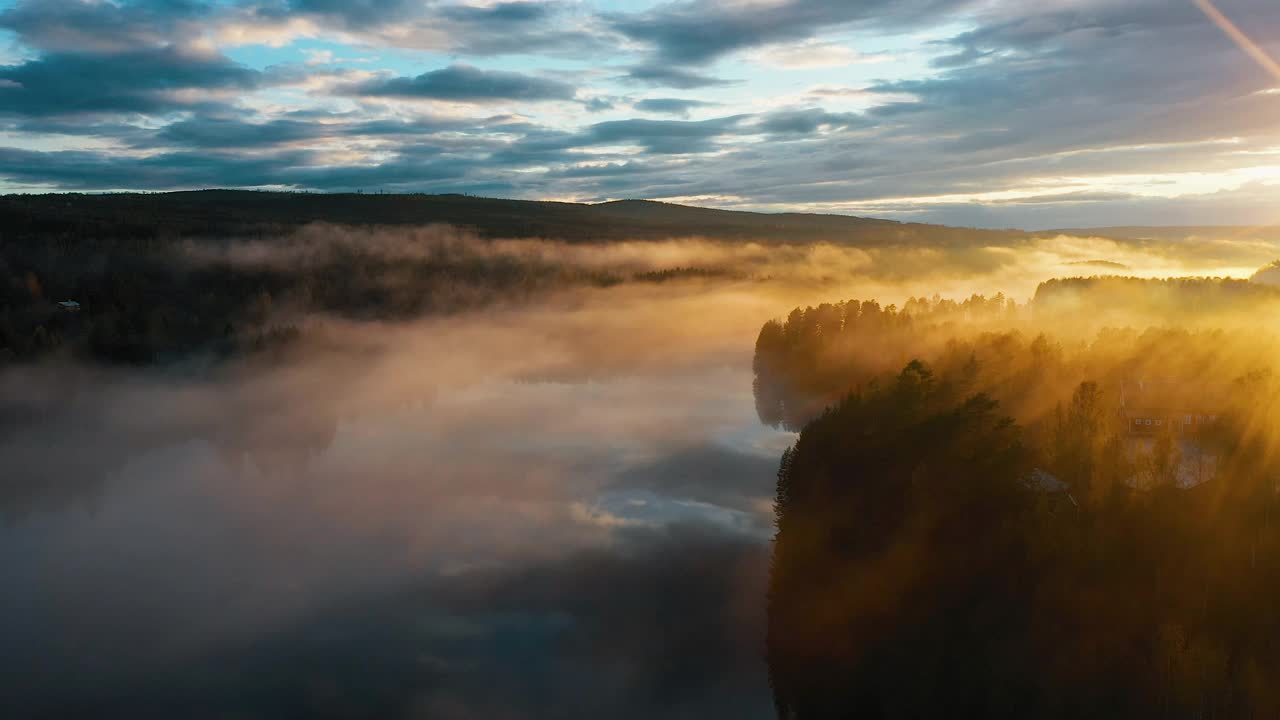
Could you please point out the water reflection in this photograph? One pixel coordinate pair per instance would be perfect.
(522, 514)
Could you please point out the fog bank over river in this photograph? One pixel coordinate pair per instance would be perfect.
(556, 508)
(550, 511)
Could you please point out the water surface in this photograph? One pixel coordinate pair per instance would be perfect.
(556, 511)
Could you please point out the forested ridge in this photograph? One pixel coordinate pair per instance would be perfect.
(976, 531)
(212, 213)
(151, 301)
(156, 279)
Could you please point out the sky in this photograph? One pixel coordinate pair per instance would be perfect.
(990, 113)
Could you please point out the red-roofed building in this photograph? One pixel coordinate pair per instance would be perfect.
(1153, 406)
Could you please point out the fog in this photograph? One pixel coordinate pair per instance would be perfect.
(554, 507)
(889, 271)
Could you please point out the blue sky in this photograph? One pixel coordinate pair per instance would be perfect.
(994, 113)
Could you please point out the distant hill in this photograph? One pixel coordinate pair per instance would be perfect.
(1102, 264)
(1177, 232)
(238, 212)
(1120, 299)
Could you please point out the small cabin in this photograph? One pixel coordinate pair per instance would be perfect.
(1151, 407)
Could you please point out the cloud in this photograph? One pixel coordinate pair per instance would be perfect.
(501, 12)
(662, 136)
(76, 26)
(213, 132)
(96, 170)
(500, 28)
(678, 31)
(352, 13)
(816, 54)
(142, 81)
(1014, 102)
(670, 106)
(672, 77)
(468, 84)
(228, 133)
(807, 121)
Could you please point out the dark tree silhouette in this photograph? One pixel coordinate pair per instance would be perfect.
(935, 557)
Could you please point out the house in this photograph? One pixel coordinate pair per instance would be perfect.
(1049, 484)
(69, 306)
(1149, 407)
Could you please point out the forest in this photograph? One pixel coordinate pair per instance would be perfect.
(167, 277)
(153, 302)
(993, 510)
(160, 278)
(1052, 501)
(213, 213)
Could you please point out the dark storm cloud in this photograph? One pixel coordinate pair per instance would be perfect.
(142, 81)
(467, 83)
(670, 106)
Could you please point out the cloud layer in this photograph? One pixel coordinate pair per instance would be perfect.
(1073, 112)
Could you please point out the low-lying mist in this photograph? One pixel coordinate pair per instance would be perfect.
(556, 462)
(963, 269)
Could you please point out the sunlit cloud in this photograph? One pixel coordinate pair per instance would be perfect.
(814, 54)
(838, 109)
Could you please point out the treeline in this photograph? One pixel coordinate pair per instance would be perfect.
(808, 360)
(226, 213)
(1178, 300)
(147, 301)
(977, 533)
(920, 571)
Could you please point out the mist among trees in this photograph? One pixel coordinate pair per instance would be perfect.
(1024, 518)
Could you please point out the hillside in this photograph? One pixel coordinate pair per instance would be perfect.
(1177, 233)
(233, 212)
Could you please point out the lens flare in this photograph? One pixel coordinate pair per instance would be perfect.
(1239, 37)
